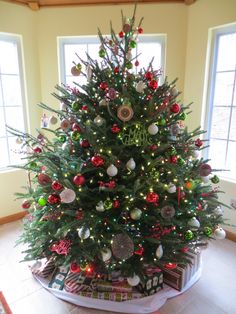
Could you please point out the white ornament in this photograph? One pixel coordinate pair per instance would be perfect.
(84, 233)
(133, 281)
(135, 214)
(19, 140)
(130, 165)
(103, 103)
(159, 251)
(100, 207)
(196, 153)
(219, 234)
(112, 171)
(63, 106)
(106, 254)
(99, 120)
(89, 72)
(171, 188)
(129, 55)
(205, 179)
(218, 211)
(153, 129)
(174, 91)
(140, 86)
(67, 196)
(53, 120)
(193, 222)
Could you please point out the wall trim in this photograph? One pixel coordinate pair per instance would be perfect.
(230, 235)
(10, 218)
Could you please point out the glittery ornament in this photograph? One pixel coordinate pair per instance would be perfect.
(112, 171)
(62, 248)
(79, 180)
(215, 179)
(133, 281)
(125, 113)
(54, 199)
(159, 251)
(53, 120)
(97, 161)
(76, 69)
(189, 185)
(175, 108)
(121, 34)
(108, 204)
(75, 268)
(148, 76)
(188, 235)
(56, 186)
(44, 179)
(171, 188)
(115, 129)
(84, 233)
(67, 196)
(103, 85)
(193, 222)
(84, 143)
(106, 254)
(103, 103)
(205, 170)
(136, 214)
(112, 93)
(65, 125)
(75, 106)
(122, 246)
(140, 86)
(218, 211)
(76, 127)
(102, 53)
(26, 204)
(135, 134)
(62, 138)
(167, 211)
(153, 129)
(116, 203)
(100, 207)
(208, 231)
(173, 159)
(99, 121)
(132, 44)
(75, 136)
(182, 116)
(37, 150)
(152, 197)
(219, 233)
(198, 142)
(131, 165)
(153, 84)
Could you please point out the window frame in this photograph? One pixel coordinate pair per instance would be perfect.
(17, 40)
(215, 35)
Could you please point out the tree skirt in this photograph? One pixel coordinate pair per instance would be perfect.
(143, 305)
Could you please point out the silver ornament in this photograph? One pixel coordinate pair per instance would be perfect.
(100, 207)
(159, 251)
(133, 281)
(53, 120)
(106, 254)
(140, 86)
(218, 211)
(19, 140)
(130, 165)
(112, 171)
(219, 234)
(84, 233)
(171, 188)
(99, 121)
(153, 129)
(194, 223)
(167, 211)
(103, 103)
(136, 214)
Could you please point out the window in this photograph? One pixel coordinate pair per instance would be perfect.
(148, 46)
(221, 117)
(11, 98)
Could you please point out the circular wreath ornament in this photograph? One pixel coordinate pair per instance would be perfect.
(125, 113)
(122, 246)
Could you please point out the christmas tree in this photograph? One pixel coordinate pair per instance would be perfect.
(121, 184)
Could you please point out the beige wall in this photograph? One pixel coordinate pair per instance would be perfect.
(202, 16)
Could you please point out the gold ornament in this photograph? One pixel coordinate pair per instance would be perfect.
(125, 113)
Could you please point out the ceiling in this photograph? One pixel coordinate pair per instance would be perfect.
(37, 4)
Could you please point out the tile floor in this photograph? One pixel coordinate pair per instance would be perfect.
(214, 293)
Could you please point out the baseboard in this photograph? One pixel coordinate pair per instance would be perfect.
(230, 235)
(10, 218)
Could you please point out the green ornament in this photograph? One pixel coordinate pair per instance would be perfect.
(75, 106)
(136, 214)
(182, 116)
(62, 138)
(75, 135)
(135, 134)
(107, 204)
(129, 65)
(42, 201)
(161, 121)
(173, 151)
(33, 164)
(102, 53)
(188, 235)
(215, 179)
(208, 231)
(132, 44)
(181, 161)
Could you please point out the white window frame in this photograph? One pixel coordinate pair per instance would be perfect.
(17, 40)
(213, 57)
(147, 38)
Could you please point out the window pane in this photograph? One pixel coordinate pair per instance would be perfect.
(11, 90)
(4, 153)
(8, 58)
(227, 52)
(2, 123)
(14, 117)
(93, 50)
(70, 55)
(232, 135)
(223, 89)
(217, 153)
(148, 51)
(220, 122)
(231, 161)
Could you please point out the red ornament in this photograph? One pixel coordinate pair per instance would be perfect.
(152, 197)
(199, 207)
(103, 85)
(153, 84)
(116, 203)
(84, 143)
(139, 251)
(116, 70)
(149, 97)
(76, 127)
(37, 150)
(185, 249)
(198, 142)
(25, 204)
(175, 108)
(75, 268)
(121, 34)
(84, 108)
(111, 184)
(54, 199)
(79, 180)
(44, 179)
(79, 214)
(153, 147)
(56, 186)
(148, 76)
(97, 161)
(170, 265)
(115, 129)
(136, 63)
(62, 247)
(140, 30)
(173, 159)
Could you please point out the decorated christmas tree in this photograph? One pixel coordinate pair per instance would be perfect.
(120, 184)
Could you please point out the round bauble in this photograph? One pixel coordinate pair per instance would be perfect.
(101, 53)
(54, 199)
(75, 136)
(106, 254)
(218, 211)
(205, 170)
(136, 214)
(84, 233)
(205, 179)
(167, 211)
(215, 179)
(42, 201)
(196, 153)
(63, 106)
(112, 93)
(219, 234)
(79, 180)
(171, 188)
(108, 204)
(19, 140)
(44, 179)
(97, 161)
(188, 235)
(122, 246)
(74, 268)
(193, 222)
(26, 204)
(65, 125)
(115, 129)
(175, 108)
(130, 165)
(208, 231)
(198, 142)
(99, 121)
(159, 251)
(100, 207)
(148, 75)
(103, 103)
(67, 196)
(76, 69)
(140, 86)
(116, 203)
(56, 186)
(53, 120)
(133, 281)
(174, 91)
(76, 127)
(153, 129)
(112, 171)
(153, 84)
(84, 143)
(103, 85)
(152, 197)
